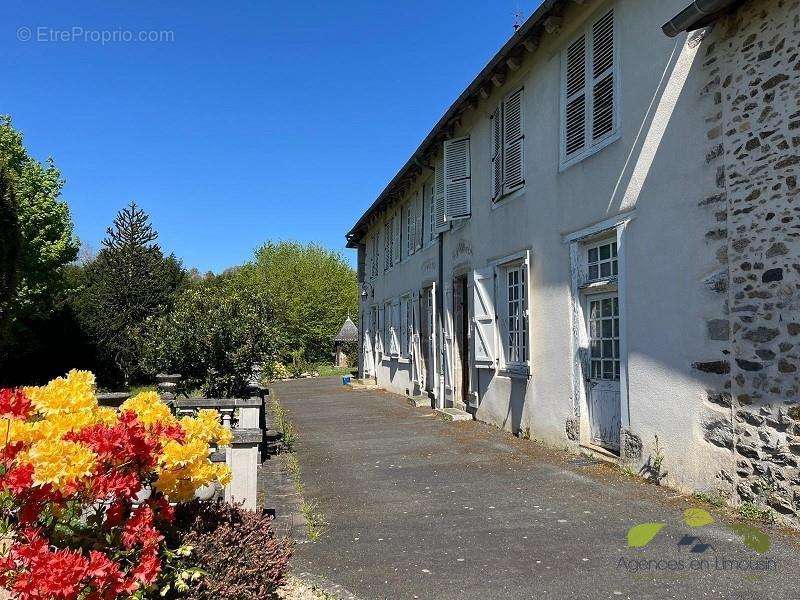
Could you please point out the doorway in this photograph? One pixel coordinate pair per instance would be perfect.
(426, 332)
(461, 359)
(603, 377)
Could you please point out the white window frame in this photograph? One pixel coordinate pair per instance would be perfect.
(519, 261)
(612, 261)
(591, 147)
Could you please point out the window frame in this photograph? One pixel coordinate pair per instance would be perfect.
(591, 147)
(521, 262)
(612, 260)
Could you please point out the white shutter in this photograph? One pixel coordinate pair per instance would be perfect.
(447, 346)
(573, 118)
(416, 359)
(485, 331)
(396, 237)
(420, 212)
(513, 140)
(603, 84)
(497, 152)
(380, 331)
(411, 226)
(395, 342)
(438, 196)
(457, 178)
(403, 326)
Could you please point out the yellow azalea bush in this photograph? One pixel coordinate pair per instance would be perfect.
(68, 405)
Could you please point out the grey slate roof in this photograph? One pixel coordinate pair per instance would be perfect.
(348, 332)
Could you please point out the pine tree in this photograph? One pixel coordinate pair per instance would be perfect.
(130, 282)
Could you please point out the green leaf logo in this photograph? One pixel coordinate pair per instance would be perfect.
(752, 537)
(641, 535)
(697, 517)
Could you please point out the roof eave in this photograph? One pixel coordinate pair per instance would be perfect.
(518, 39)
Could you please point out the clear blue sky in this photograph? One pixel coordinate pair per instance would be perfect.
(260, 120)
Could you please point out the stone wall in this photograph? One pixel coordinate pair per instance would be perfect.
(753, 91)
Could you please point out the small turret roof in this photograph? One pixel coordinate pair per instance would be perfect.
(348, 332)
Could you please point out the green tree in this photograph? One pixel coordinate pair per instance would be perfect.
(312, 289)
(9, 245)
(47, 240)
(219, 335)
(129, 282)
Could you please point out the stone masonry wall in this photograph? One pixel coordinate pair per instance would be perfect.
(751, 61)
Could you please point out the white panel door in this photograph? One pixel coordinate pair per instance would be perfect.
(602, 317)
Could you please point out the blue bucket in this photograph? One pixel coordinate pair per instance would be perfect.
(345, 379)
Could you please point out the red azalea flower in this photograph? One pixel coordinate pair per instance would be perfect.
(17, 480)
(14, 404)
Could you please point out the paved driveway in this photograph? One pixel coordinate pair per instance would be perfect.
(419, 508)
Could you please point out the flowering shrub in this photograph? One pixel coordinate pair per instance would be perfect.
(70, 474)
(237, 550)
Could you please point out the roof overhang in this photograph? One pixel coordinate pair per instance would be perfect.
(547, 18)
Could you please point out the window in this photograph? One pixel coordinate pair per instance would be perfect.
(392, 240)
(507, 164)
(387, 328)
(374, 249)
(411, 228)
(387, 245)
(430, 190)
(406, 325)
(602, 261)
(604, 337)
(516, 344)
(457, 179)
(589, 91)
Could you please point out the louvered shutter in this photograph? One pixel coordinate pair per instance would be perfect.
(496, 122)
(457, 191)
(395, 342)
(484, 328)
(411, 226)
(573, 118)
(397, 237)
(603, 84)
(513, 140)
(418, 376)
(420, 212)
(438, 197)
(447, 348)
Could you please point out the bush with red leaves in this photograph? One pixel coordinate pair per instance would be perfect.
(238, 549)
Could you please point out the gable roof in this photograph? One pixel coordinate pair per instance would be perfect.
(348, 332)
(525, 40)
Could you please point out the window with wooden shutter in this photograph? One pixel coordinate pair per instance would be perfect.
(387, 245)
(457, 192)
(589, 117)
(603, 100)
(419, 211)
(513, 139)
(484, 326)
(398, 237)
(438, 197)
(430, 202)
(497, 152)
(411, 227)
(375, 252)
